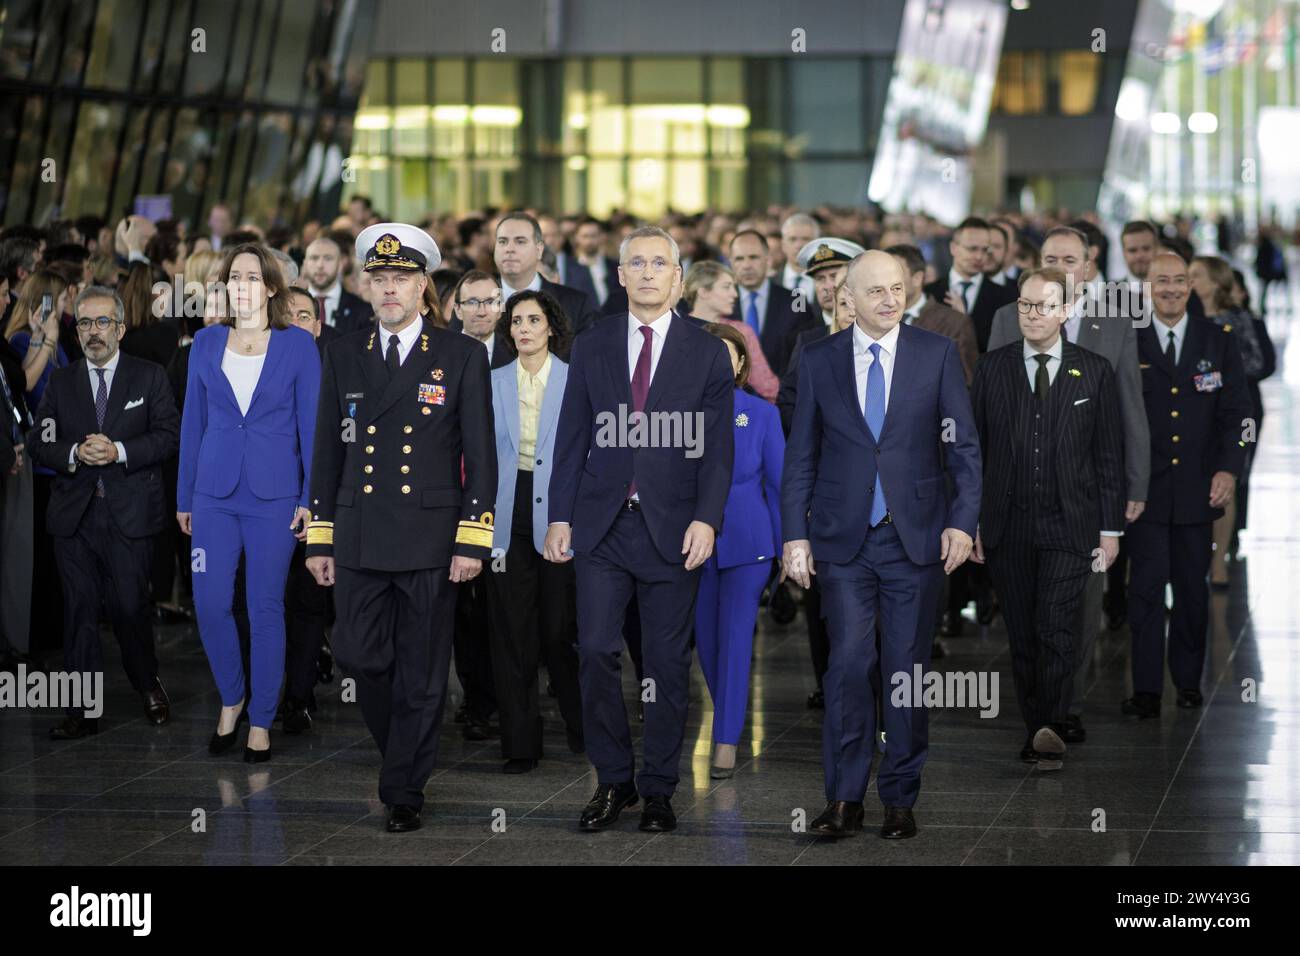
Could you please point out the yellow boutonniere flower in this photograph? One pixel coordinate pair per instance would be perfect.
(1075, 372)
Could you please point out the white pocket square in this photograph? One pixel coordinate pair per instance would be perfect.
(1082, 400)
(140, 401)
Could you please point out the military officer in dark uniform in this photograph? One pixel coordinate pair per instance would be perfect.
(404, 475)
(1194, 388)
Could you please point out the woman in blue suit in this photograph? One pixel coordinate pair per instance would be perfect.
(532, 602)
(245, 463)
(732, 580)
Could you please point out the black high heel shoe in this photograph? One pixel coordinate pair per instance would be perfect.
(220, 743)
(257, 756)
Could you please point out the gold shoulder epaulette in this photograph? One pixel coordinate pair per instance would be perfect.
(476, 533)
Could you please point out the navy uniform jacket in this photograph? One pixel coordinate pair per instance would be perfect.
(391, 497)
(1195, 413)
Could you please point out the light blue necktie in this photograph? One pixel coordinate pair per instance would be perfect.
(875, 406)
(751, 313)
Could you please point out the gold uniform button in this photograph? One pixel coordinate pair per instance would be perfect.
(370, 430)
(370, 449)
(1175, 438)
(406, 469)
(1174, 390)
(408, 429)
(369, 469)
(406, 489)
(368, 488)
(1174, 413)
(1174, 462)
(406, 449)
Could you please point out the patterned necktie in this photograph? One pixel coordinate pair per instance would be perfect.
(641, 381)
(101, 409)
(393, 358)
(1171, 350)
(875, 406)
(1042, 381)
(965, 289)
(751, 313)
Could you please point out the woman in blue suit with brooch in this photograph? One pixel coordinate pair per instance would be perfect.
(245, 464)
(532, 607)
(732, 580)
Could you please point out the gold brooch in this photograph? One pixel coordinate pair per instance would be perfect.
(436, 375)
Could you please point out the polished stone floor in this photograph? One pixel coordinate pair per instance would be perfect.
(1220, 785)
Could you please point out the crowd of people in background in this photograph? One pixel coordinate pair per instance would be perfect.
(526, 285)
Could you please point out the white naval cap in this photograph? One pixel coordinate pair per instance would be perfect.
(827, 251)
(396, 245)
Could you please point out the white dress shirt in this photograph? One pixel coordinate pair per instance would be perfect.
(110, 369)
(1179, 329)
(862, 360)
(507, 292)
(405, 340)
(1053, 365)
(800, 282)
(635, 340)
(913, 312)
(599, 270)
(955, 279)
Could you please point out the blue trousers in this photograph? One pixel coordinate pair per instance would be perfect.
(259, 529)
(725, 611)
(879, 583)
(626, 563)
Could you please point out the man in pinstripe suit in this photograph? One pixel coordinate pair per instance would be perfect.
(1052, 443)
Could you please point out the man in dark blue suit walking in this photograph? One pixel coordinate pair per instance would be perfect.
(864, 491)
(642, 469)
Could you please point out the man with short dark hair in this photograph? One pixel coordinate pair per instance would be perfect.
(1001, 246)
(589, 247)
(1139, 242)
(336, 307)
(518, 254)
(965, 288)
(924, 313)
(569, 271)
(105, 426)
(769, 308)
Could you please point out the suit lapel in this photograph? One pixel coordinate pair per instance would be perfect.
(845, 373)
(902, 376)
(420, 359)
(85, 394)
(510, 398)
(1064, 390)
(375, 371)
(674, 351)
(552, 399)
(1192, 345)
(615, 349)
(118, 393)
(275, 349)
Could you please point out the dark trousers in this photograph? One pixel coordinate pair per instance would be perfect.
(101, 566)
(48, 600)
(1040, 589)
(819, 644)
(626, 563)
(532, 605)
(393, 635)
(164, 545)
(472, 651)
(1178, 555)
(882, 584)
(307, 608)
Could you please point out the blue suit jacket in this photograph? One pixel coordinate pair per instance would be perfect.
(832, 462)
(505, 412)
(751, 528)
(272, 444)
(594, 465)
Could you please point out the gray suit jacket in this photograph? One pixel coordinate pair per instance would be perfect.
(1114, 339)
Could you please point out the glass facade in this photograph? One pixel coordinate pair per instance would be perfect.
(246, 101)
(639, 134)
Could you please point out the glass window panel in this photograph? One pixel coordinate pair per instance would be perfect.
(648, 179)
(76, 35)
(288, 63)
(242, 134)
(413, 190)
(494, 181)
(203, 71)
(450, 186)
(727, 184)
(667, 113)
(826, 105)
(224, 142)
(450, 109)
(155, 151)
(27, 161)
(129, 164)
(239, 35)
(151, 43)
(688, 185)
(495, 116)
(606, 187)
(176, 51)
(373, 181)
(359, 32)
(374, 114)
(62, 116)
(266, 175)
(21, 18)
(258, 68)
(607, 127)
(188, 164)
(577, 110)
(91, 169)
(112, 50)
(49, 42)
(1078, 73)
(841, 183)
(411, 115)
(1022, 83)
(11, 113)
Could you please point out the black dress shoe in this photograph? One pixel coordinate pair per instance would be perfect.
(220, 743)
(297, 718)
(325, 665)
(577, 742)
(1073, 732)
(462, 714)
(840, 819)
(609, 800)
(899, 824)
(403, 819)
(156, 705)
(1190, 699)
(1027, 753)
(817, 700)
(657, 816)
(951, 625)
(519, 765)
(782, 605)
(478, 729)
(937, 652)
(1116, 616)
(256, 756)
(1142, 705)
(986, 608)
(71, 728)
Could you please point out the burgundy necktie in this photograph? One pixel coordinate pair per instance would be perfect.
(320, 309)
(641, 381)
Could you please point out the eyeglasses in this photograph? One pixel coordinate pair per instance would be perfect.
(474, 305)
(1042, 308)
(639, 264)
(100, 322)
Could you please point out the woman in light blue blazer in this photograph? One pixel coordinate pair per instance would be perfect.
(532, 602)
(245, 464)
(732, 580)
